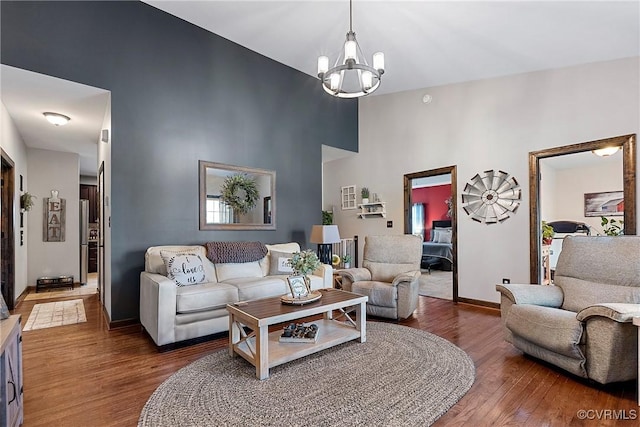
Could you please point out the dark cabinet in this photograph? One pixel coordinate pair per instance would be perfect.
(93, 257)
(90, 193)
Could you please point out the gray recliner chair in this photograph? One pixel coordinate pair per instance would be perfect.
(583, 323)
(389, 275)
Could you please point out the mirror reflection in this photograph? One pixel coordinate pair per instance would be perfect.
(236, 197)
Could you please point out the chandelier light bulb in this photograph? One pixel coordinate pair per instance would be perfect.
(378, 61)
(335, 81)
(367, 80)
(350, 50)
(323, 64)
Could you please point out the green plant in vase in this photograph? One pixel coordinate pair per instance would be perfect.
(364, 192)
(304, 263)
(27, 200)
(346, 259)
(547, 233)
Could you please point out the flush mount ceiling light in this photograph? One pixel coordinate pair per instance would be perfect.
(56, 118)
(606, 151)
(351, 76)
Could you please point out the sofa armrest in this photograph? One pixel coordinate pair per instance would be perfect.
(158, 307)
(547, 296)
(326, 272)
(619, 312)
(405, 277)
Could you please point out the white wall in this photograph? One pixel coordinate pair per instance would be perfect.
(12, 143)
(481, 125)
(53, 170)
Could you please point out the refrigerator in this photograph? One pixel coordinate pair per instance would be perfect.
(84, 241)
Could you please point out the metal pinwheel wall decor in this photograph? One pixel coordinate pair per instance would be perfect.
(491, 198)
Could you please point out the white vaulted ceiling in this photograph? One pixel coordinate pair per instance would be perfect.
(426, 43)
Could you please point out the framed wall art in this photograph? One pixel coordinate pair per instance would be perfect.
(608, 203)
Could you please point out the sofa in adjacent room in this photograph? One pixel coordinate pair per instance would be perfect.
(194, 305)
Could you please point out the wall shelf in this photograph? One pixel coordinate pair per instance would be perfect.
(372, 210)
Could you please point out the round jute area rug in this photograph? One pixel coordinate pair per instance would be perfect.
(399, 377)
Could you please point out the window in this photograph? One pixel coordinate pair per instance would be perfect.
(218, 211)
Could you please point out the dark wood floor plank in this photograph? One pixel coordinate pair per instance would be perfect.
(85, 375)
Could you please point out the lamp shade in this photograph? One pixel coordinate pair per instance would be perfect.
(323, 234)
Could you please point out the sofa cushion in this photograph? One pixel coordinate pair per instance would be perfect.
(153, 262)
(205, 296)
(551, 328)
(279, 263)
(184, 268)
(250, 288)
(380, 294)
(234, 270)
(265, 263)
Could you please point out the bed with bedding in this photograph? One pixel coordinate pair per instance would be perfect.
(438, 251)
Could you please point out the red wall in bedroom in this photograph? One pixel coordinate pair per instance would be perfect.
(434, 206)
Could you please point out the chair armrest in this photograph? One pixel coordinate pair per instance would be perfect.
(326, 272)
(405, 277)
(619, 312)
(547, 296)
(355, 274)
(158, 307)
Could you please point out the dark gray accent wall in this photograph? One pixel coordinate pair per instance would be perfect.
(181, 94)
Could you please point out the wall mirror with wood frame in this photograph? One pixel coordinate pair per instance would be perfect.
(627, 144)
(235, 197)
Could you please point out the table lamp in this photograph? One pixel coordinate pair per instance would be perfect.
(324, 236)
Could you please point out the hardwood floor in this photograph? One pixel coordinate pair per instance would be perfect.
(85, 375)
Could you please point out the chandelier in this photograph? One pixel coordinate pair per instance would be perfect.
(351, 76)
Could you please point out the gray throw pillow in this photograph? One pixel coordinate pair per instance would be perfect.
(279, 263)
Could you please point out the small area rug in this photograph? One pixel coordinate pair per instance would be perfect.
(400, 376)
(79, 291)
(438, 284)
(57, 313)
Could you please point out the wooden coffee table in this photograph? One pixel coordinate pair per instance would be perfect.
(263, 350)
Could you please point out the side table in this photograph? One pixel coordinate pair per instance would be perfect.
(636, 321)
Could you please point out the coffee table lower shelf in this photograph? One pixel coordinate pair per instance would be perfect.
(330, 333)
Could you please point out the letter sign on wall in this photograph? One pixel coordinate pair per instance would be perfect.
(54, 219)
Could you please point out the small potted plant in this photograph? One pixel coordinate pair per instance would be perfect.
(365, 195)
(547, 233)
(346, 259)
(304, 263)
(27, 200)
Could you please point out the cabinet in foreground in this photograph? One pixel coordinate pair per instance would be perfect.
(11, 372)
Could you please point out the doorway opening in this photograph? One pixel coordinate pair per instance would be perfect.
(430, 212)
(7, 251)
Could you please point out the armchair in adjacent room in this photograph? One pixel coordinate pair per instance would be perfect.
(389, 275)
(583, 323)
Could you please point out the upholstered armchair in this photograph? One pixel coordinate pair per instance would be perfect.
(582, 323)
(389, 275)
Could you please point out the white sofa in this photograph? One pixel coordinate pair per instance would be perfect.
(171, 313)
